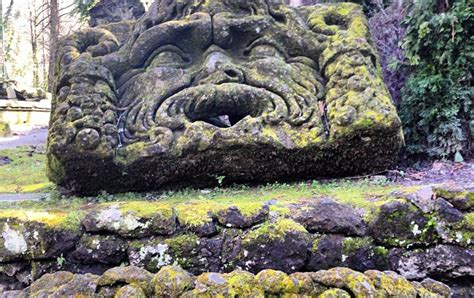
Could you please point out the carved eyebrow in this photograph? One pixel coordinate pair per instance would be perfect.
(265, 41)
(165, 48)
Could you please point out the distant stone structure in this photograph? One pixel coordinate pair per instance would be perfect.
(247, 90)
(112, 11)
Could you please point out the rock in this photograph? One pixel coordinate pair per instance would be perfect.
(281, 245)
(131, 220)
(211, 285)
(303, 284)
(442, 260)
(49, 283)
(436, 287)
(362, 254)
(402, 224)
(130, 275)
(79, 285)
(243, 284)
(332, 293)
(109, 250)
(389, 284)
(13, 294)
(198, 218)
(172, 281)
(124, 121)
(461, 197)
(326, 253)
(274, 282)
(328, 216)
(108, 11)
(27, 240)
(232, 217)
(15, 276)
(447, 212)
(187, 250)
(422, 198)
(357, 283)
(130, 291)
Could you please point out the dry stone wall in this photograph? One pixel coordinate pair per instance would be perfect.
(422, 234)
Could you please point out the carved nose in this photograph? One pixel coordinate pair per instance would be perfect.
(232, 74)
(219, 69)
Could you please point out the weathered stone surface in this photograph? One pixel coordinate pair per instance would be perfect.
(402, 224)
(328, 216)
(175, 282)
(172, 281)
(32, 240)
(128, 275)
(461, 197)
(109, 250)
(339, 277)
(112, 11)
(136, 114)
(130, 291)
(35, 243)
(149, 220)
(389, 284)
(281, 245)
(441, 260)
(232, 217)
(63, 284)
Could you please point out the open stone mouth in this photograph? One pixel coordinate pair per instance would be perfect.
(222, 106)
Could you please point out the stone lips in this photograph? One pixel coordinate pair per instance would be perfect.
(199, 90)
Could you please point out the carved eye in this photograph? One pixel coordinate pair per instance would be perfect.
(264, 51)
(169, 58)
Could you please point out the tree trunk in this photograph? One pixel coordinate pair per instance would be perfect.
(34, 46)
(53, 40)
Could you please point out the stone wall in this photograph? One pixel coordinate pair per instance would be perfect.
(172, 281)
(424, 233)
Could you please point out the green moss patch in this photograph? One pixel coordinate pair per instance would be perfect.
(26, 173)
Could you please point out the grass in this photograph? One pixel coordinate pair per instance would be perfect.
(25, 174)
(193, 205)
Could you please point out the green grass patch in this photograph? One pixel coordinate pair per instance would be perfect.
(193, 205)
(25, 174)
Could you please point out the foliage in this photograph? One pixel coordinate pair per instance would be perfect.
(83, 6)
(387, 34)
(437, 106)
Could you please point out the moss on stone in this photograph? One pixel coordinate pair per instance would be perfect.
(353, 244)
(60, 220)
(146, 209)
(276, 230)
(274, 282)
(196, 213)
(334, 293)
(172, 281)
(243, 284)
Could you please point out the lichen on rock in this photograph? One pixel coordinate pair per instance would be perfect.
(257, 86)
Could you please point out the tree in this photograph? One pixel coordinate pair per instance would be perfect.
(53, 39)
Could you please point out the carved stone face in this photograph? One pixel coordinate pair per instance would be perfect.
(249, 90)
(224, 76)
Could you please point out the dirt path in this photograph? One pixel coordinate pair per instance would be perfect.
(15, 197)
(34, 137)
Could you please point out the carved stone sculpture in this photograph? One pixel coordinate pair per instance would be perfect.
(247, 90)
